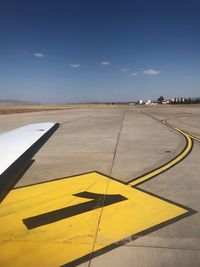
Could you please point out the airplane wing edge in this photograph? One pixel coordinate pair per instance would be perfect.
(13, 171)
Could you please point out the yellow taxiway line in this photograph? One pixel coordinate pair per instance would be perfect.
(187, 149)
(191, 134)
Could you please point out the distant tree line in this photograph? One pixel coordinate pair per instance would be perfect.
(186, 101)
(180, 100)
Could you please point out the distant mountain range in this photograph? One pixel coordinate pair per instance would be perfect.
(13, 101)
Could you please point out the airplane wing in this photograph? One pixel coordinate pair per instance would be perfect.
(17, 148)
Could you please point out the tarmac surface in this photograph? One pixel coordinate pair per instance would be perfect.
(153, 223)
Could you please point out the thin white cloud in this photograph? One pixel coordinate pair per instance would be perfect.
(151, 72)
(75, 65)
(105, 63)
(134, 73)
(39, 55)
(124, 70)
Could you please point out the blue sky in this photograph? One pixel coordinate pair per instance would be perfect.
(82, 51)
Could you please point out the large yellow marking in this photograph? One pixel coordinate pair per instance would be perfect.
(67, 240)
(170, 164)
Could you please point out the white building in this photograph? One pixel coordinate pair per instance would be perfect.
(148, 102)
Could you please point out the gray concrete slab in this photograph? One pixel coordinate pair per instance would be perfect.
(148, 257)
(125, 144)
(141, 135)
(180, 184)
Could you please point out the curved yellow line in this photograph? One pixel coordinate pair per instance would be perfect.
(170, 164)
(191, 134)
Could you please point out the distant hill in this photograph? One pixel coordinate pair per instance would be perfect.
(13, 101)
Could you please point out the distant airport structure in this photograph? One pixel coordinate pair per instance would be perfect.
(161, 100)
